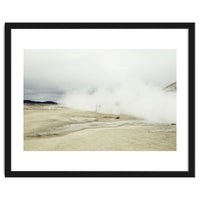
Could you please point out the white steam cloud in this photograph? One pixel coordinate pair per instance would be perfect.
(137, 99)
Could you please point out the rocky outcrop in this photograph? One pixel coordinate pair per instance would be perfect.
(171, 87)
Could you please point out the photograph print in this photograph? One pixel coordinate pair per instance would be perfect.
(100, 100)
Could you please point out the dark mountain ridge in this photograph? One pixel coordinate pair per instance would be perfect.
(40, 102)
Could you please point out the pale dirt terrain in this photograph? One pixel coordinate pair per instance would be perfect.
(57, 128)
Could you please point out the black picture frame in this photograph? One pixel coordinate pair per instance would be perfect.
(191, 97)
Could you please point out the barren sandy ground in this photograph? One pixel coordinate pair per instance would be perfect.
(57, 128)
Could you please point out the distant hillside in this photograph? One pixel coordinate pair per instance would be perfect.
(171, 87)
(40, 102)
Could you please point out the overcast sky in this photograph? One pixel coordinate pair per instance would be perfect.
(51, 73)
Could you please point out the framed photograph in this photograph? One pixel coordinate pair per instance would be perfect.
(99, 99)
